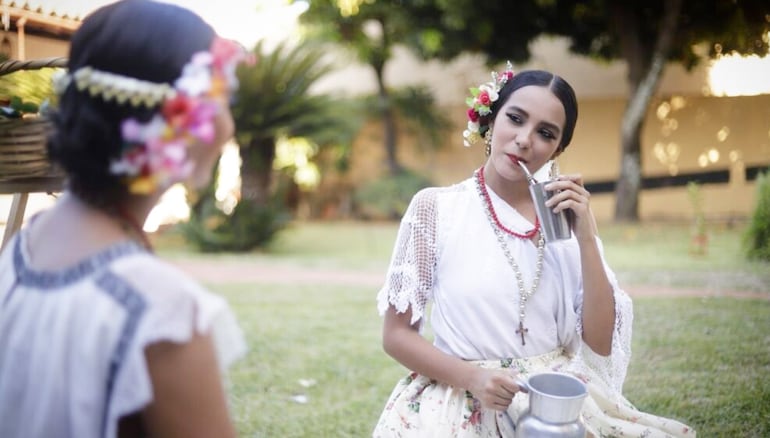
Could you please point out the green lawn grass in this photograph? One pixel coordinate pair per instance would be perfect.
(660, 254)
(703, 361)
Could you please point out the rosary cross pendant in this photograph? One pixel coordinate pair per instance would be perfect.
(521, 331)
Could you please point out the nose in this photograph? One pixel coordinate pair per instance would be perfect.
(523, 139)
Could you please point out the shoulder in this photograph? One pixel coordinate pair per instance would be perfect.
(169, 294)
(154, 279)
(148, 271)
(177, 307)
(430, 198)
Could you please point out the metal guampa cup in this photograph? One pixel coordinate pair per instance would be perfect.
(554, 226)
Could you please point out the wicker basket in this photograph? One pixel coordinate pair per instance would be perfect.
(23, 149)
(23, 141)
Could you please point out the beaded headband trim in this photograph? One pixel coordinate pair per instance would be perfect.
(154, 153)
(110, 86)
(480, 105)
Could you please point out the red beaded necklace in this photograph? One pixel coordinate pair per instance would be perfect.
(488, 204)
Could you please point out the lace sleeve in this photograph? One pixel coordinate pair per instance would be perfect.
(612, 369)
(409, 280)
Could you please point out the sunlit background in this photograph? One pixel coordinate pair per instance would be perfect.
(732, 75)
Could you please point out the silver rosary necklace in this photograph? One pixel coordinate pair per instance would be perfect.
(524, 294)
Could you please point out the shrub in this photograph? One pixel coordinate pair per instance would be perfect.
(249, 226)
(699, 238)
(757, 237)
(389, 196)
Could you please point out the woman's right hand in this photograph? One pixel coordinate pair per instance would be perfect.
(495, 389)
(402, 341)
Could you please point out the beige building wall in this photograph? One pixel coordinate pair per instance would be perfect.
(726, 134)
(36, 47)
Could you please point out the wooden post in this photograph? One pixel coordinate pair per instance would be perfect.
(15, 217)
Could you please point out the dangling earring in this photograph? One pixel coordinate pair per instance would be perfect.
(488, 142)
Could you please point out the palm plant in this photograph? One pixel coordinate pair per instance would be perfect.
(273, 101)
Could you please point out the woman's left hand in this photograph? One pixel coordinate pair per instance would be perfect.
(572, 197)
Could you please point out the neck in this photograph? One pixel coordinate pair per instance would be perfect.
(513, 191)
(130, 215)
(133, 223)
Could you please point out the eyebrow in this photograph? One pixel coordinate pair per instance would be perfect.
(547, 124)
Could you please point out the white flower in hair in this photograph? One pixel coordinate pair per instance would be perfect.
(196, 75)
(155, 152)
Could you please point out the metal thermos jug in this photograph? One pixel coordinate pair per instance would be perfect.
(555, 402)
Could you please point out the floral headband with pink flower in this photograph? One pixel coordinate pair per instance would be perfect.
(155, 152)
(480, 105)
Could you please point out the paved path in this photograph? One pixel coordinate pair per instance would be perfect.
(236, 271)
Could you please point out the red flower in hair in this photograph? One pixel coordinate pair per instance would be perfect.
(484, 98)
(473, 116)
(479, 103)
(177, 111)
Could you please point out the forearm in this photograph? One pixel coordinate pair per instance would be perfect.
(408, 347)
(598, 299)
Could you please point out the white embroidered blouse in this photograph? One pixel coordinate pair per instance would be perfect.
(447, 255)
(72, 341)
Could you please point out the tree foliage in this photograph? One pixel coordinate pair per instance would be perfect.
(757, 237)
(597, 28)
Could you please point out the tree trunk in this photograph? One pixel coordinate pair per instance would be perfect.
(645, 68)
(388, 121)
(257, 170)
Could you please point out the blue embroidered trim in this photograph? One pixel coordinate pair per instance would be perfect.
(135, 305)
(47, 280)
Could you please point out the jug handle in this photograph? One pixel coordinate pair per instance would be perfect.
(523, 386)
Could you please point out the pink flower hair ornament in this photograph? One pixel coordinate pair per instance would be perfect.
(155, 152)
(480, 105)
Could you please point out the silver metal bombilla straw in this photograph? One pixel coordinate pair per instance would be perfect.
(530, 178)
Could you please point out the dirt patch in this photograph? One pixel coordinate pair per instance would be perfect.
(233, 271)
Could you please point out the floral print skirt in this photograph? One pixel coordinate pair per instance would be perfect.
(423, 408)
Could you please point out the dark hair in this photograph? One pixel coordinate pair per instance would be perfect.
(142, 39)
(558, 86)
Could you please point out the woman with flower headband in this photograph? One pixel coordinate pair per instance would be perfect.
(99, 337)
(504, 304)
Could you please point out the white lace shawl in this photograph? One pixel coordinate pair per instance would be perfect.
(411, 277)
